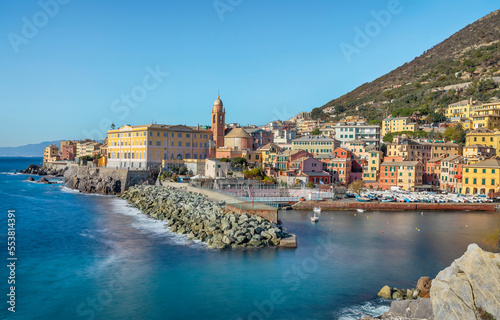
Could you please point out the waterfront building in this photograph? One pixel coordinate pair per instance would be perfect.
(370, 134)
(478, 152)
(81, 147)
(392, 124)
(388, 174)
(482, 177)
(410, 174)
(433, 171)
(403, 174)
(68, 150)
(421, 150)
(51, 153)
(316, 145)
(338, 164)
(450, 179)
(143, 146)
(371, 170)
(214, 168)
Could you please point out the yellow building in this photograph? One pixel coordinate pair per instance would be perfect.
(397, 125)
(51, 153)
(421, 150)
(460, 111)
(269, 153)
(473, 115)
(314, 144)
(410, 174)
(483, 136)
(487, 116)
(482, 177)
(478, 152)
(144, 146)
(371, 170)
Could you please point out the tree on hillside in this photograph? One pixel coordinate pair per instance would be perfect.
(239, 162)
(316, 113)
(455, 133)
(356, 186)
(316, 132)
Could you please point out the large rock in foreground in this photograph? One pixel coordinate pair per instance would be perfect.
(472, 282)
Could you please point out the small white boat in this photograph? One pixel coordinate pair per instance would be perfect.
(317, 210)
(315, 218)
(361, 210)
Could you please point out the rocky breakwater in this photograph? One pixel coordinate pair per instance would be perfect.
(197, 217)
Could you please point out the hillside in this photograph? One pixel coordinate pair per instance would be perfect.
(29, 150)
(470, 57)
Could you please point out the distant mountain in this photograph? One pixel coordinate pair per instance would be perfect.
(29, 150)
(465, 65)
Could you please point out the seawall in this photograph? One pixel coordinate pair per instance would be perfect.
(395, 206)
(105, 180)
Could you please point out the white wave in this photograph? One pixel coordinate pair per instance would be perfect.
(69, 190)
(153, 227)
(372, 308)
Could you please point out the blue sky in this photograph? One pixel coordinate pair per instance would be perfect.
(69, 68)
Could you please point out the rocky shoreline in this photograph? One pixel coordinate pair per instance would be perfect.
(468, 289)
(43, 171)
(192, 214)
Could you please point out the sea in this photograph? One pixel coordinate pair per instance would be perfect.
(80, 256)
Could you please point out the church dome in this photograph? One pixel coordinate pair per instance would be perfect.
(218, 101)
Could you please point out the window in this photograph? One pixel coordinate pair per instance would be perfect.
(492, 170)
(475, 170)
(474, 181)
(483, 181)
(492, 182)
(179, 135)
(484, 170)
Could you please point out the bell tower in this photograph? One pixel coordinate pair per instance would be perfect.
(218, 122)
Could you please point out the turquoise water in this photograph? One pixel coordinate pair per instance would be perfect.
(93, 257)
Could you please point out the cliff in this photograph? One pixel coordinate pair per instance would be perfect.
(105, 180)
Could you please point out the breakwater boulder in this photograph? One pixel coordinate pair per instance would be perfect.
(44, 170)
(469, 288)
(197, 217)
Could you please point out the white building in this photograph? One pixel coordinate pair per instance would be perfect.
(367, 133)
